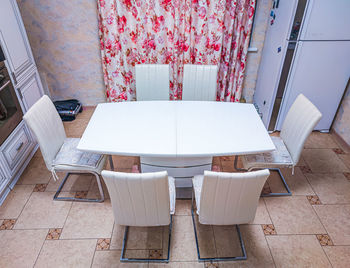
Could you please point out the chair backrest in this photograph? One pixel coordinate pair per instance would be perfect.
(152, 82)
(301, 119)
(199, 82)
(139, 199)
(230, 198)
(46, 125)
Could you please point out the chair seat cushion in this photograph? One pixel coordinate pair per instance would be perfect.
(197, 186)
(69, 157)
(278, 158)
(172, 194)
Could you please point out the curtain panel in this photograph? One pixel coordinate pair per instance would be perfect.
(174, 32)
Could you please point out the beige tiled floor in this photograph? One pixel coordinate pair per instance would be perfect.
(309, 229)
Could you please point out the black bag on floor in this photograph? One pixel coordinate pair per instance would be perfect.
(68, 109)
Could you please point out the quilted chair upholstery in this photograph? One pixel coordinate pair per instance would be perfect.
(199, 82)
(227, 199)
(152, 82)
(301, 119)
(141, 199)
(59, 152)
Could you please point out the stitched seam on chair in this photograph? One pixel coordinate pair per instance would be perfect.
(157, 199)
(131, 200)
(242, 190)
(227, 195)
(215, 197)
(144, 200)
(115, 186)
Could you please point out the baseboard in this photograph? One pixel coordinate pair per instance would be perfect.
(345, 146)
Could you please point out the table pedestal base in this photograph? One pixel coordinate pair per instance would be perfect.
(181, 168)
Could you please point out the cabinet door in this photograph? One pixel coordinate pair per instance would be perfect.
(14, 40)
(4, 180)
(275, 48)
(30, 90)
(320, 71)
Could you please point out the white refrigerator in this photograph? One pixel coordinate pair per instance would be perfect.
(306, 50)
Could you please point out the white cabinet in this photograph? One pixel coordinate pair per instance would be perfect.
(30, 90)
(16, 147)
(14, 40)
(17, 150)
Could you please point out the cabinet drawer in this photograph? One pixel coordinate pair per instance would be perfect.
(16, 147)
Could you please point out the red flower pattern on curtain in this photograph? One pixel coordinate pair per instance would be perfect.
(174, 32)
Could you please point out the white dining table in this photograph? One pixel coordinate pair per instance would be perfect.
(178, 136)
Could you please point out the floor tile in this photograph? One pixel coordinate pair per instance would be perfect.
(54, 234)
(89, 220)
(183, 247)
(35, 173)
(331, 188)
(320, 141)
(258, 252)
(94, 191)
(297, 183)
(182, 224)
(75, 182)
(346, 159)
(183, 207)
(193, 264)
(110, 259)
(323, 161)
(261, 216)
(145, 237)
(339, 256)
(66, 253)
(20, 248)
(7, 224)
(324, 240)
(40, 187)
(293, 215)
(226, 241)
(336, 220)
(313, 200)
(15, 201)
(41, 211)
(117, 236)
(268, 229)
(297, 251)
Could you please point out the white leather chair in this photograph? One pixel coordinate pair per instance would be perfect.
(141, 199)
(301, 119)
(227, 199)
(152, 82)
(59, 152)
(199, 82)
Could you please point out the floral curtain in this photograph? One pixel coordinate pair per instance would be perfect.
(174, 32)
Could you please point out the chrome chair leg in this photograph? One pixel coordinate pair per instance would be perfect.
(237, 258)
(288, 193)
(111, 162)
(99, 184)
(124, 259)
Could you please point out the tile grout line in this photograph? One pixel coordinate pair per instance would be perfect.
(268, 212)
(326, 232)
(23, 207)
(41, 248)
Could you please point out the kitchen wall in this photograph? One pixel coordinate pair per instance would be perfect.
(64, 39)
(257, 41)
(342, 121)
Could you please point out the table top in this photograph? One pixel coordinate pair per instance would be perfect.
(176, 129)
